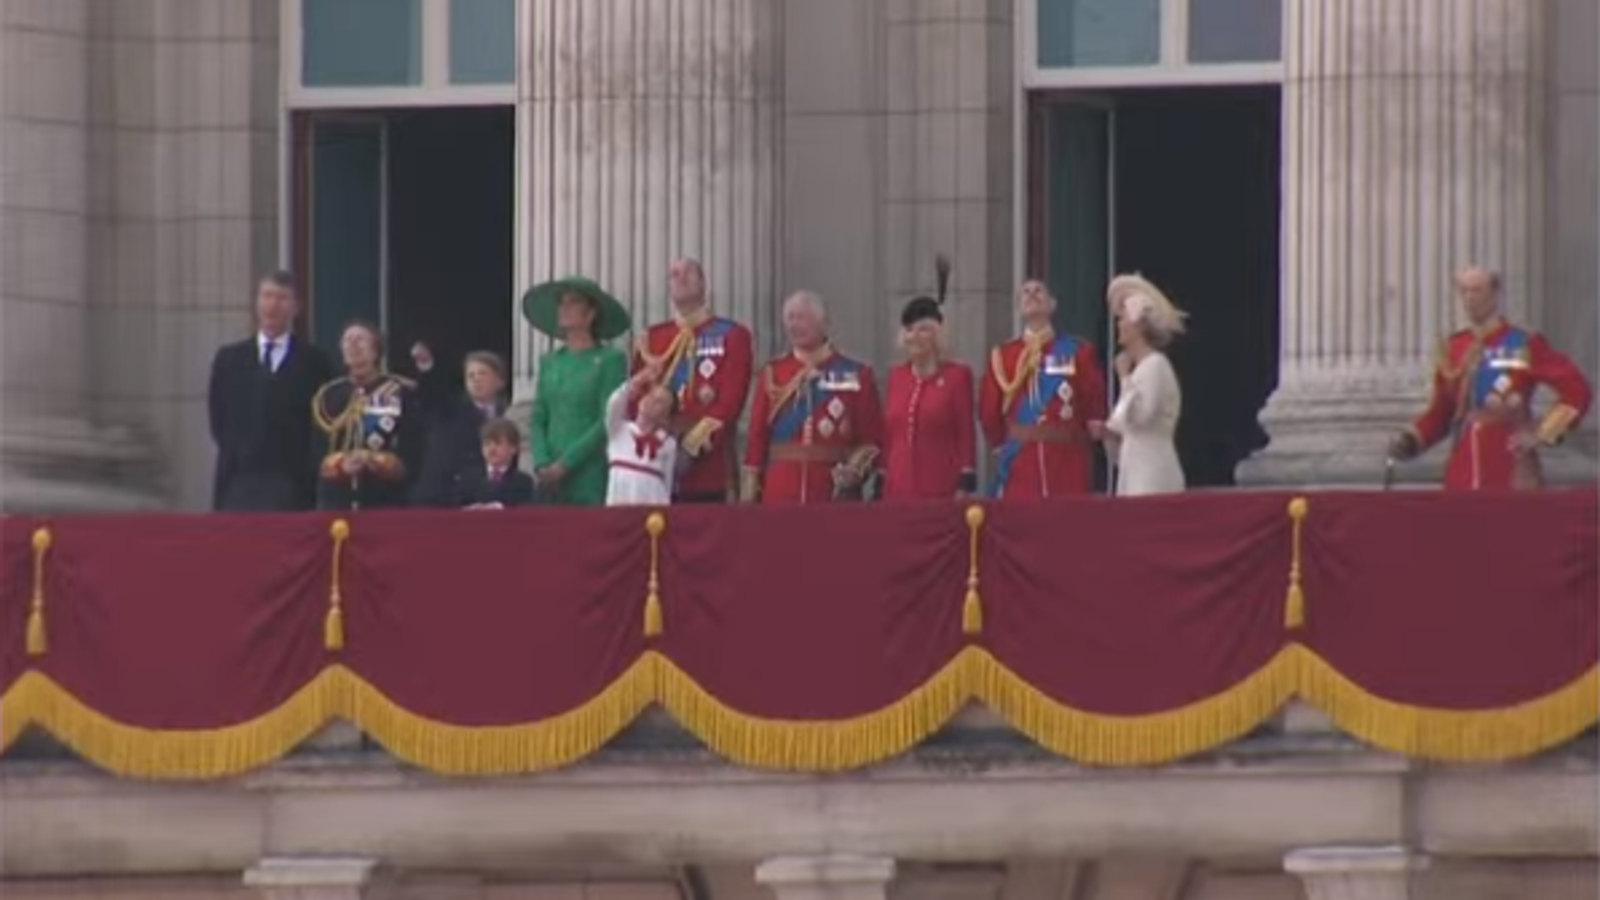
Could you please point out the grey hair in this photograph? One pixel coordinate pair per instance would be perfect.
(812, 301)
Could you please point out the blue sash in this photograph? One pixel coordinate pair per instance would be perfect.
(790, 422)
(380, 418)
(714, 335)
(1031, 403)
(1495, 362)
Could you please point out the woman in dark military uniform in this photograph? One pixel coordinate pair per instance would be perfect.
(370, 429)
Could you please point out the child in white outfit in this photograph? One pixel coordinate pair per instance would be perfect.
(643, 452)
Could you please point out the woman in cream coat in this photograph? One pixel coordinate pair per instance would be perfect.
(1139, 435)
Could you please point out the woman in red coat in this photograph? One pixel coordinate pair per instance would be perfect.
(929, 434)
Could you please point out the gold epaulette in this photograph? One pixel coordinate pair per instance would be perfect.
(698, 437)
(1556, 423)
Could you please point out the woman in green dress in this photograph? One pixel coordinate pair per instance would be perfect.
(568, 436)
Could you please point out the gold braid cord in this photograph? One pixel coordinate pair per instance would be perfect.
(1012, 384)
(343, 429)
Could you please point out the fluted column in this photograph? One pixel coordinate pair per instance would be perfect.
(1356, 873)
(1414, 138)
(54, 455)
(650, 131)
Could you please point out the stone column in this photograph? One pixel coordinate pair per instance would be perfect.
(839, 877)
(54, 454)
(650, 131)
(1414, 135)
(1356, 873)
(310, 878)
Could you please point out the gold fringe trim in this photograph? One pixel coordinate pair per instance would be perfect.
(37, 641)
(972, 607)
(1449, 735)
(820, 746)
(1104, 740)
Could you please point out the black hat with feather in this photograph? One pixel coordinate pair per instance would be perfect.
(925, 308)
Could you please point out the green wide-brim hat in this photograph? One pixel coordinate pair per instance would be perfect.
(540, 305)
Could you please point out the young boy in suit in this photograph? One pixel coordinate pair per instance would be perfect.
(497, 484)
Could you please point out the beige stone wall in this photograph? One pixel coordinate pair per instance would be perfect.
(1109, 879)
(184, 172)
(1572, 251)
(899, 146)
(140, 153)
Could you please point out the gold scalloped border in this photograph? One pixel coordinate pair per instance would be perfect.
(813, 746)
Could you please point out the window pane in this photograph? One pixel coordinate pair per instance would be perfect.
(1227, 31)
(483, 41)
(346, 226)
(1082, 33)
(361, 43)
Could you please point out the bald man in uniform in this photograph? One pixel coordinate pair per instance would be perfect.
(1484, 379)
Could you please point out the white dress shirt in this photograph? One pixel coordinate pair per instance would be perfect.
(280, 349)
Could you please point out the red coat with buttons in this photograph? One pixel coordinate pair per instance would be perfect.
(930, 441)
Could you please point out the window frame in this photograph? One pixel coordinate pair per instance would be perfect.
(435, 88)
(1174, 68)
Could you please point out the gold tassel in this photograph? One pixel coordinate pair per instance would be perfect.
(1294, 607)
(333, 629)
(333, 624)
(38, 642)
(972, 609)
(654, 525)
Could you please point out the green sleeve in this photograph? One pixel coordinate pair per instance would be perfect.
(613, 372)
(539, 430)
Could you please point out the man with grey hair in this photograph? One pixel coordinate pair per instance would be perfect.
(816, 426)
(1484, 378)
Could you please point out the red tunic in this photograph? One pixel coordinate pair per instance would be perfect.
(807, 418)
(1038, 396)
(929, 443)
(1483, 385)
(706, 361)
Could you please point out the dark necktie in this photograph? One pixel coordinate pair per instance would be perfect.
(266, 354)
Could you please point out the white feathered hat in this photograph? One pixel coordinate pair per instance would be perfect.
(1134, 298)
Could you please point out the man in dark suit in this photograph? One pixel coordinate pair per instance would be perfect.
(494, 482)
(259, 402)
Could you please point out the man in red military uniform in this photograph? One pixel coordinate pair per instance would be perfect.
(816, 424)
(1039, 393)
(1484, 378)
(705, 360)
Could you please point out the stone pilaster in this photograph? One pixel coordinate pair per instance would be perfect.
(650, 131)
(184, 176)
(1414, 135)
(55, 455)
(1356, 873)
(948, 167)
(837, 877)
(310, 878)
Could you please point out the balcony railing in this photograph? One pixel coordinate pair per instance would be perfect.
(1135, 632)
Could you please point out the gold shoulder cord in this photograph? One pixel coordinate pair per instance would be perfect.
(344, 429)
